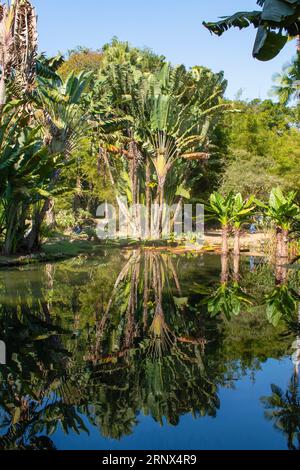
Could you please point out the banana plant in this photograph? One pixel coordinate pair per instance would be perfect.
(278, 21)
(26, 170)
(63, 124)
(221, 208)
(242, 212)
(284, 213)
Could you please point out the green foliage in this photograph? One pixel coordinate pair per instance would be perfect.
(261, 136)
(287, 83)
(228, 299)
(277, 20)
(221, 208)
(283, 210)
(282, 304)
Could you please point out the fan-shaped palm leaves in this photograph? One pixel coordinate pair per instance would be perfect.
(287, 83)
(173, 113)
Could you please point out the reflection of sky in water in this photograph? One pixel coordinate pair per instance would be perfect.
(239, 425)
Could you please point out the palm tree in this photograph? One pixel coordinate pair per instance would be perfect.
(278, 20)
(288, 82)
(18, 46)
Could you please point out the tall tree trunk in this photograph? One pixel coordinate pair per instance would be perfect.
(225, 234)
(148, 200)
(176, 214)
(9, 245)
(161, 211)
(33, 241)
(134, 154)
(50, 215)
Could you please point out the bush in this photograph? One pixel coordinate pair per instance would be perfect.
(65, 219)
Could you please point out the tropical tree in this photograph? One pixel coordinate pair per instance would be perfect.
(18, 46)
(26, 170)
(63, 124)
(276, 22)
(221, 208)
(284, 213)
(242, 210)
(172, 114)
(287, 83)
(182, 111)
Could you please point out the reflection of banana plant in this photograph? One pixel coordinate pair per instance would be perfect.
(283, 408)
(229, 297)
(282, 304)
(229, 300)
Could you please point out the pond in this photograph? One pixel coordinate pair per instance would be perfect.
(150, 350)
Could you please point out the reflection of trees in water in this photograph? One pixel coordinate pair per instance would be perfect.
(114, 340)
(147, 337)
(283, 409)
(228, 297)
(35, 371)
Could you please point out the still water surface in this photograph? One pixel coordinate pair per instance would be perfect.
(149, 350)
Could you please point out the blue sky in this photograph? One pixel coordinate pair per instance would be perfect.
(169, 27)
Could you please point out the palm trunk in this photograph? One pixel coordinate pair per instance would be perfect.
(9, 245)
(176, 214)
(77, 197)
(50, 215)
(225, 234)
(148, 199)
(33, 241)
(161, 211)
(133, 152)
(33, 238)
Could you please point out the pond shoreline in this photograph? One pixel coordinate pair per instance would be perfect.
(67, 248)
